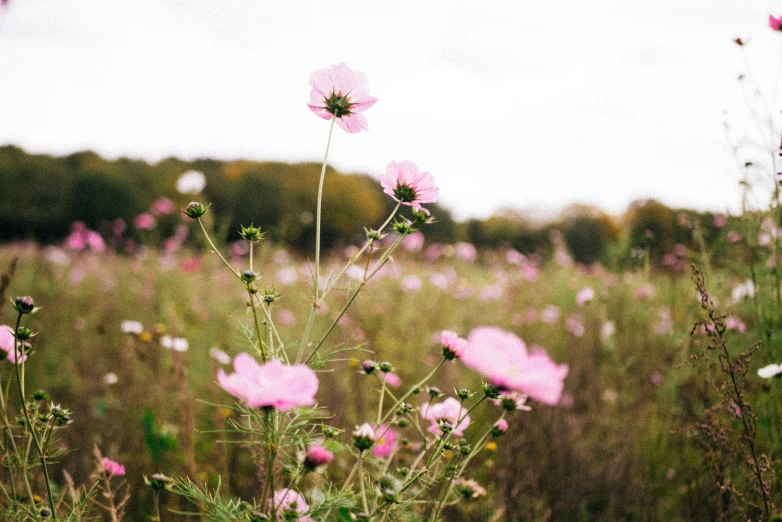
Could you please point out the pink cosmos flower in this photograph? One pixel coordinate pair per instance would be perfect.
(273, 384)
(340, 93)
(502, 358)
(413, 242)
(386, 440)
(500, 427)
(162, 207)
(145, 221)
(317, 456)
(466, 252)
(775, 23)
(8, 343)
(289, 502)
(585, 295)
(453, 345)
(392, 380)
(411, 283)
(405, 184)
(114, 469)
(450, 411)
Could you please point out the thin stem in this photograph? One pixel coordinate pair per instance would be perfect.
(157, 507)
(318, 213)
(364, 503)
(410, 391)
(216, 251)
(255, 321)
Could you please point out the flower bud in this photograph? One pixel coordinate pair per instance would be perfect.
(416, 390)
(317, 456)
(329, 432)
(45, 513)
(24, 333)
(256, 516)
(270, 295)
(369, 367)
(158, 481)
(248, 276)
(434, 391)
(499, 428)
(445, 426)
(490, 391)
(402, 423)
(40, 395)
(252, 233)
(374, 235)
(423, 216)
(385, 367)
(404, 408)
(364, 437)
(465, 449)
(403, 227)
(195, 210)
(24, 305)
(463, 394)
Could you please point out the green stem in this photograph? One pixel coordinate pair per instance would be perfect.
(318, 213)
(256, 323)
(216, 251)
(364, 503)
(410, 391)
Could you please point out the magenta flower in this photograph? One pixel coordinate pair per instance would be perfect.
(162, 207)
(500, 428)
(405, 184)
(317, 456)
(145, 221)
(289, 503)
(8, 343)
(340, 93)
(386, 440)
(453, 345)
(775, 23)
(502, 358)
(271, 385)
(392, 379)
(449, 411)
(114, 469)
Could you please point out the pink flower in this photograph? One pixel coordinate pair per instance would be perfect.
(114, 469)
(76, 239)
(411, 283)
(502, 358)
(8, 343)
(386, 440)
(94, 240)
(145, 221)
(317, 456)
(584, 296)
(466, 252)
(162, 206)
(453, 345)
(449, 411)
(413, 242)
(340, 93)
(273, 384)
(775, 23)
(393, 380)
(500, 428)
(405, 184)
(289, 502)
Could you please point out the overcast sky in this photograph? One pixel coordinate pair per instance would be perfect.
(525, 104)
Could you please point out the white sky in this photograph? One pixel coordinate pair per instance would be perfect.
(525, 104)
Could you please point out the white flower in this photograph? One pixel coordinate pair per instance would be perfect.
(191, 182)
(746, 289)
(220, 356)
(178, 344)
(131, 327)
(770, 371)
(110, 378)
